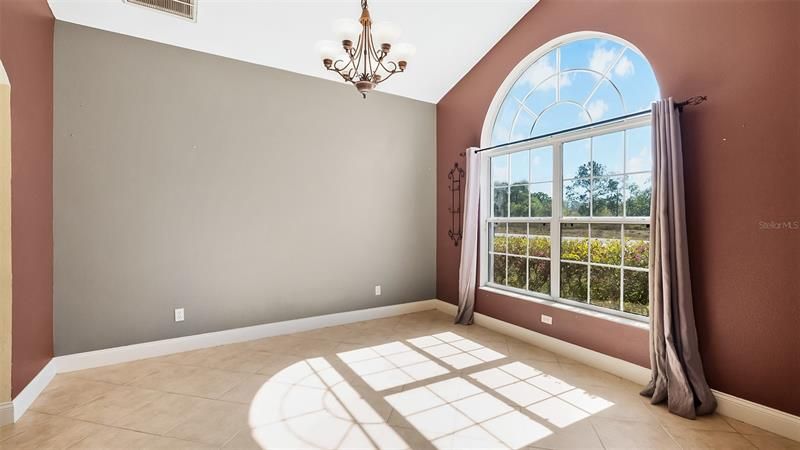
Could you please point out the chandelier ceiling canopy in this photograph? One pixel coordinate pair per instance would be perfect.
(366, 53)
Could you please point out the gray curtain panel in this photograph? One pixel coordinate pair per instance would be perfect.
(677, 371)
(467, 270)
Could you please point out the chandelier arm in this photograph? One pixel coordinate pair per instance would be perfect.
(369, 73)
(345, 71)
(346, 63)
(353, 52)
(339, 73)
(390, 72)
(339, 70)
(371, 50)
(388, 76)
(349, 53)
(359, 54)
(395, 68)
(349, 58)
(353, 62)
(378, 54)
(379, 58)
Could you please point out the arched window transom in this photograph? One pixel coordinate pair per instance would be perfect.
(577, 82)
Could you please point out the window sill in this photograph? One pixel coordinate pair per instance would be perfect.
(558, 305)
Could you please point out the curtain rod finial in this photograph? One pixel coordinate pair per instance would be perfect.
(692, 101)
(696, 100)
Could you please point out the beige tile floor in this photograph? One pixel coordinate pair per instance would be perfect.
(413, 381)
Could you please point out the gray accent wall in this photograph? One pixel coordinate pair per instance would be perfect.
(244, 194)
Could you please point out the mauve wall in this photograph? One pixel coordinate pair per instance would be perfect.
(741, 163)
(26, 48)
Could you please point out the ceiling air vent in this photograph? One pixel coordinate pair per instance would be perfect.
(180, 8)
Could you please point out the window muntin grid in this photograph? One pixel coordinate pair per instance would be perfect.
(577, 82)
(516, 264)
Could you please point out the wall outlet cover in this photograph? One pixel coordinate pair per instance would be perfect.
(179, 317)
(547, 319)
(378, 290)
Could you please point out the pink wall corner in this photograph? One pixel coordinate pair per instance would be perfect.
(26, 47)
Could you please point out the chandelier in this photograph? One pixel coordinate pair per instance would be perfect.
(357, 59)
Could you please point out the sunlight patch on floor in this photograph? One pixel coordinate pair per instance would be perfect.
(454, 413)
(546, 396)
(456, 351)
(505, 406)
(310, 405)
(390, 365)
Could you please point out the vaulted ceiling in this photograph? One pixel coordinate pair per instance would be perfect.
(450, 35)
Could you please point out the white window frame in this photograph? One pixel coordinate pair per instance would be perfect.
(555, 221)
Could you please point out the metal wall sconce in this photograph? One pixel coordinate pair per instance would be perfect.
(456, 177)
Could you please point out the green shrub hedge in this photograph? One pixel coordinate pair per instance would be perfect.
(576, 278)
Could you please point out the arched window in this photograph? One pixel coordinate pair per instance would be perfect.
(566, 201)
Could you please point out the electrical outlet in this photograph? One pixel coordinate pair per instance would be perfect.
(179, 315)
(378, 290)
(547, 319)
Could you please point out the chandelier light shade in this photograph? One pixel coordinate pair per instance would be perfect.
(366, 54)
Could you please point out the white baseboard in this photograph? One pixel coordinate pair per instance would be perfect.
(770, 419)
(6, 413)
(11, 412)
(616, 366)
(116, 355)
(25, 399)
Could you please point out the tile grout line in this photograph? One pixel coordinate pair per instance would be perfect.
(116, 427)
(129, 385)
(64, 414)
(597, 433)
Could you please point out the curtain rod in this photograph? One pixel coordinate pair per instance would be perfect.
(691, 101)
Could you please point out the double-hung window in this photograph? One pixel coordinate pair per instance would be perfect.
(566, 216)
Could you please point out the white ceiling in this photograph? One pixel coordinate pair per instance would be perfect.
(450, 35)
